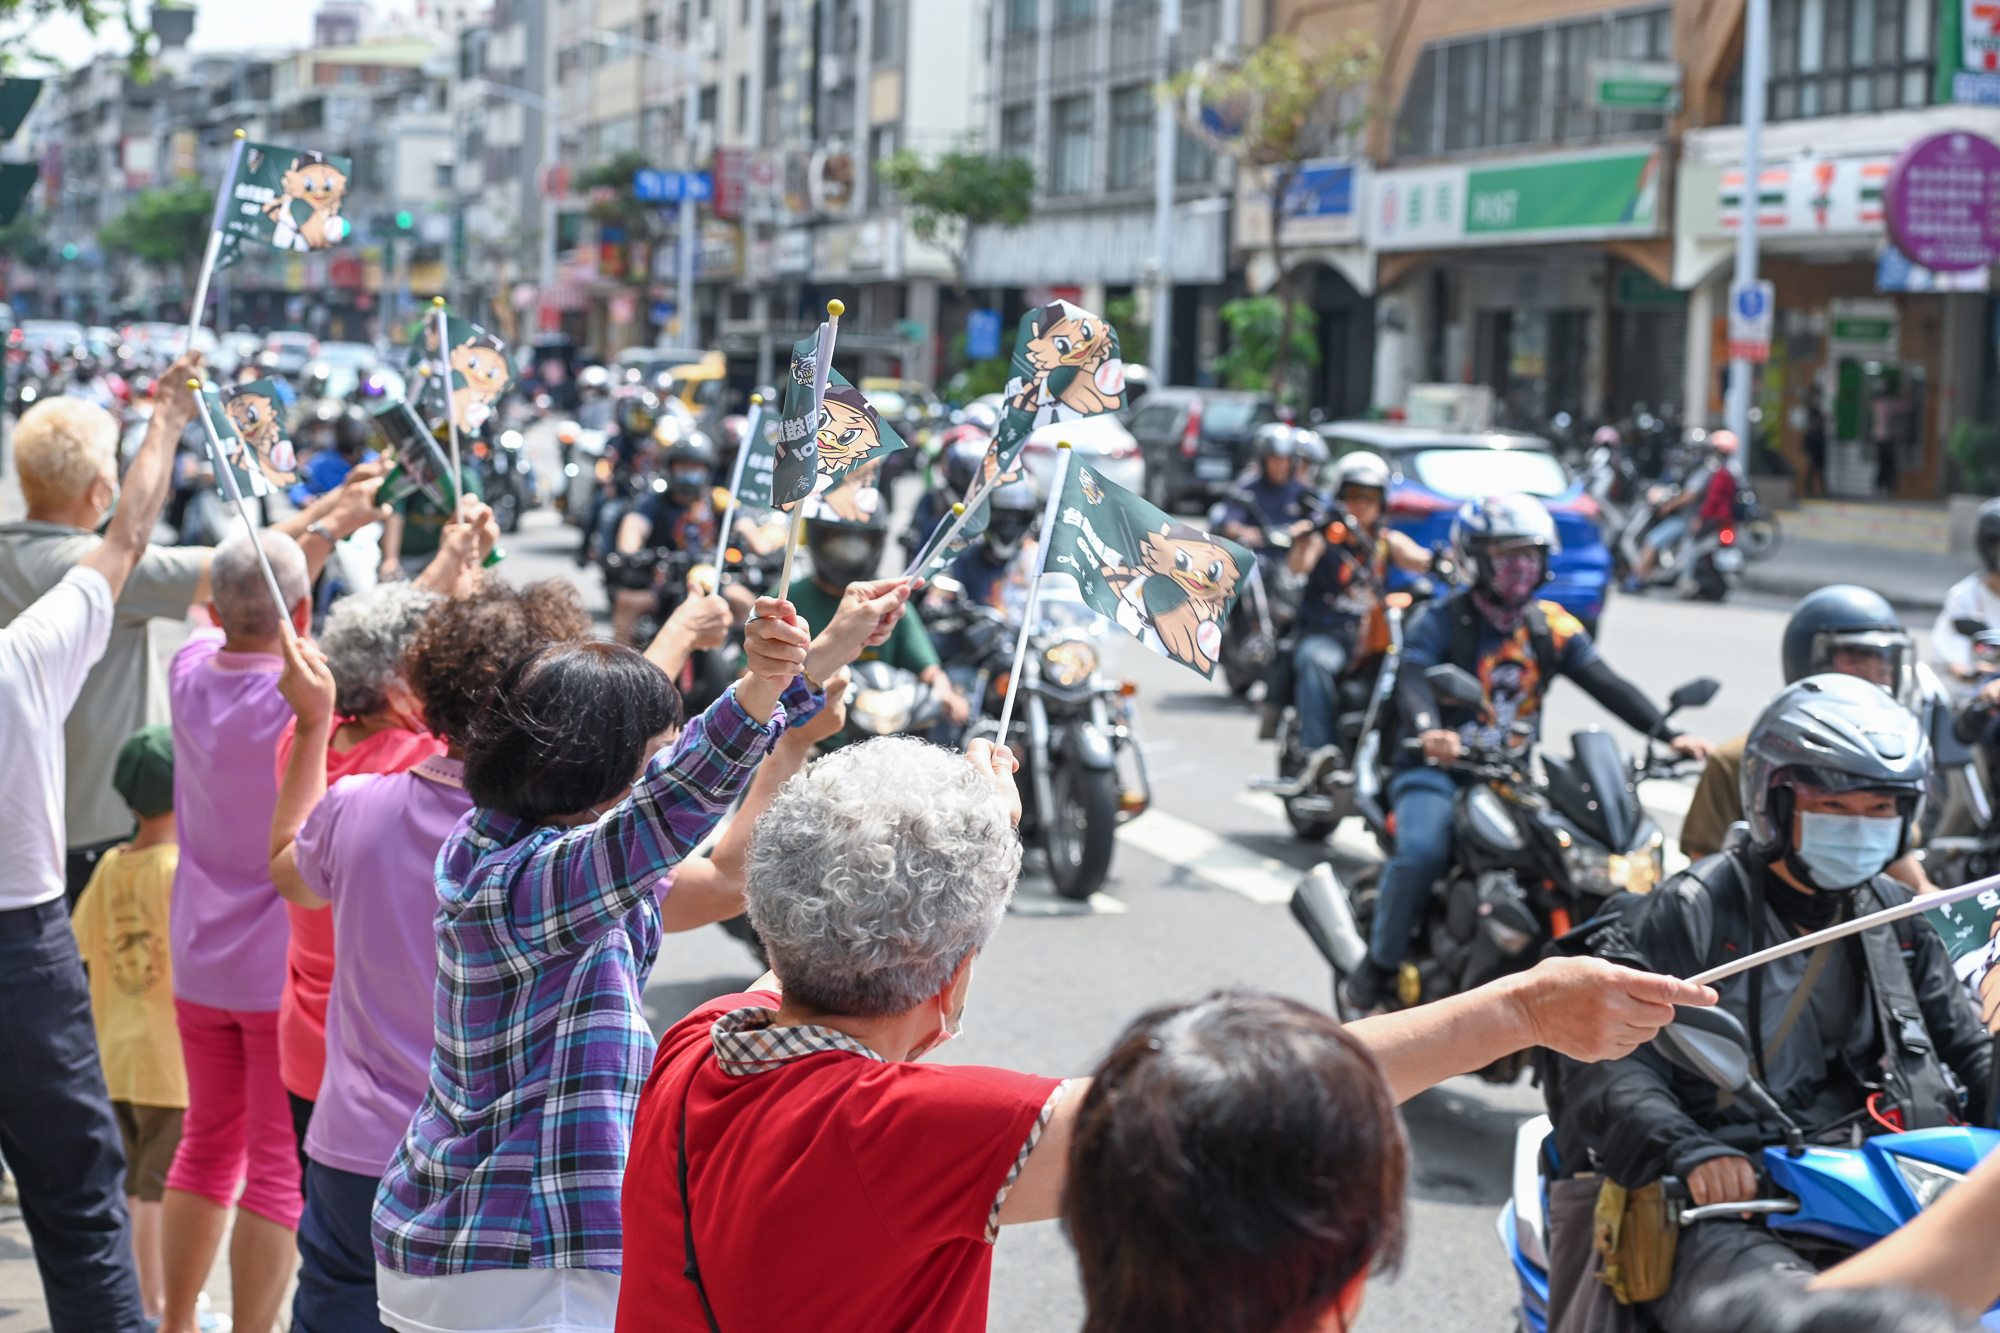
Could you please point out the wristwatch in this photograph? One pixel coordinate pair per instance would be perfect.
(320, 530)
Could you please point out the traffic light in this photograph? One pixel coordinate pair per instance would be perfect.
(406, 221)
(69, 251)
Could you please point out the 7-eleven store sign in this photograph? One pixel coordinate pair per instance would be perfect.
(1828, 194)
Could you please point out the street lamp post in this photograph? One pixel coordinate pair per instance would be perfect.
(546, 107)
(1756, 62)
(1165, 140)
(689, 65)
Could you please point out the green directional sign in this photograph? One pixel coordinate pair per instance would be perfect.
(1635, 85)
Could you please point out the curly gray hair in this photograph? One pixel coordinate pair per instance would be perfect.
(364, 640)
(878, 871)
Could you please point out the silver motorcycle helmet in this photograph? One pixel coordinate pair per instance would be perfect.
(1824, 734)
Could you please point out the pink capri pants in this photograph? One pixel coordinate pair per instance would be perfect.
(238, 1129)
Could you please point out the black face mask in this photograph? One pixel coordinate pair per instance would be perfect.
(1805, 911)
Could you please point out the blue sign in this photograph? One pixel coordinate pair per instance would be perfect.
(1322, 190)
(982, 334)
(1750, 303)
(670, 187)
(663, 312)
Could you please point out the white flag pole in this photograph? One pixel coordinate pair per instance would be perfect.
(1035, 586)
(823, 365)
(227, 475)
(1923, 902)
(450, 413)
(214, 239)
(974, 495)
(756, 424)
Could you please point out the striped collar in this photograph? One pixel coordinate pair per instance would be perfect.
(445, 772)
(748, 1042)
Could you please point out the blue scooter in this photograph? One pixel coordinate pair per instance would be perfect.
(1851, 1196)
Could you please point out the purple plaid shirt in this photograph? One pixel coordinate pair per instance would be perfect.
(545, 937)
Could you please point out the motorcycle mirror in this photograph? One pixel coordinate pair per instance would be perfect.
(945, 583)
(1454, 684)
(1708, 1042)
(1967, 626)
(1695, 693)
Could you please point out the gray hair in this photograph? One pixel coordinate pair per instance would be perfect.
(876, 872)
(364, 639)
(236, 582)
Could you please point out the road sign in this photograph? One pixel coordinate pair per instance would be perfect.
(1753, 312)
(982, 334)
(670, 187)
(1635, 85)
(1939, 201)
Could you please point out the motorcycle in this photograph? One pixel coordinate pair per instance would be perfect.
(1611, 479)
(1539, 841)
(505, 476)
(1265, 614)
(883, 700)
(1074, 728)
(1706, 566)
(1828, 1201)
(1757, 528)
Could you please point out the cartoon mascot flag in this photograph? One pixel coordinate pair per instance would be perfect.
(848, 430)
(250, 421)
(276, 199)
(481, 372)
(1168, 584)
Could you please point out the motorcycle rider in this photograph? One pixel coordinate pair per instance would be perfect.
(1834, 775)
(1974, 597)
(634, 413)
(1840, 628)
(1273, 494)
(1515, 645)
(1346, 566)
(847, 528)
(683, 517)
(1713, 486)
(994, 570)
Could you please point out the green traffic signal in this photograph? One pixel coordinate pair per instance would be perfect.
(405, 220)
(69, 251)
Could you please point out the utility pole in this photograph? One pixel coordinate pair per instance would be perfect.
(1165, 139)
(1756, 64)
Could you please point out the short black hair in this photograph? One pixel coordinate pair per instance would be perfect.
(1760, 1305)
(566, 729)
(1236, 1164)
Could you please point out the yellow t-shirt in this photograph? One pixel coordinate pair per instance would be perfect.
(121, 931)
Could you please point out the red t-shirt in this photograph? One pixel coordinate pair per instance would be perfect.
(309, 956)
(833, 1193)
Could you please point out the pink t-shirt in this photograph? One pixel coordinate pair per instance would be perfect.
(227, 928)
(309, 958)
(370, 848)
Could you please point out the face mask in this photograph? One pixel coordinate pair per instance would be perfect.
(688, 482)
(954, 1024)
(1842, 851)
(1516, 575)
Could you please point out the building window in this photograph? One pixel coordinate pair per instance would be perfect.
(705, 105)
(442, 179)
(649, 28)
(1075, 11)
(1017, 131)
(1069, 145)
(1194, 161)
(1023, 15)
(1131, 137)
(886, 34)
(1829, 57)
(881, 146)
(1527, 87)
(742, 104)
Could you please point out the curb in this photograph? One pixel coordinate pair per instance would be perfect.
(1785, 584)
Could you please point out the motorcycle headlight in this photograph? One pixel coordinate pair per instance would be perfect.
(1491, 819)
(880, 712)
(1068, 663)
(1928, 1183)
(1590, 867)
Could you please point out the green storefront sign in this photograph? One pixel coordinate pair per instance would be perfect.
(1619, 192)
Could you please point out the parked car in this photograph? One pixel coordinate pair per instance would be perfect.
(287, 353)
(1102, 440)
(1195, 441)
(1437, 471)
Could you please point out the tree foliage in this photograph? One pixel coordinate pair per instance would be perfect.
(965, 189)
(26, 238)
(1273, 110)
(1257, 324)
(18, 19)
(167, 228)
(613, 201)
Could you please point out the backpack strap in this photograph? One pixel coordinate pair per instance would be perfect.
(1542, 642)
(1912, 1075)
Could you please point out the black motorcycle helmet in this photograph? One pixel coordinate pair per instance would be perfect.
(689, 464)
(637, 412)
(1015, 509)
(352, 433)
(847, 528)
(961, 465)
(1844, 621)
(1987, 535)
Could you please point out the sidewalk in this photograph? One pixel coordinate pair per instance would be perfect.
(1911, 580)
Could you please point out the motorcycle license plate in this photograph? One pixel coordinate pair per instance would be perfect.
(1213, 469)
(1729, 560)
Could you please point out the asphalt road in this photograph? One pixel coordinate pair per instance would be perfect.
(1196, 903)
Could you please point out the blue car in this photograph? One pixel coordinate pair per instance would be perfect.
(1437, 471)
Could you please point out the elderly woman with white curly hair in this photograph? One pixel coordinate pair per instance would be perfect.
(792, 1166)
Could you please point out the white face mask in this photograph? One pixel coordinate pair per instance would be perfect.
(953, 1025)
(1842, 851)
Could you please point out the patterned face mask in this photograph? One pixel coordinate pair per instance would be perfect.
(1516, 575)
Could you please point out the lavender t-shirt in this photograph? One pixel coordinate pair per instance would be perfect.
(227, 927)
(368, 848)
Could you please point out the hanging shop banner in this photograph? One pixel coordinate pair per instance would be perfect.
(1942, 203)
(1566, 197)
(1811, 195)
(1976, 80)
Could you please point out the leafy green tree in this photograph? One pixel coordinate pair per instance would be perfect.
(963, 190)
(166, 228)
(19, 18)
(1273, 110)
(26, 239)
(1259, 327)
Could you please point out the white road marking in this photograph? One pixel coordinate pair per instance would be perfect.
(1667, 798)
(1225, 864)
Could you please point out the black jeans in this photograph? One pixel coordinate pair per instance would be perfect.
(57, 1130)
(336, 1254)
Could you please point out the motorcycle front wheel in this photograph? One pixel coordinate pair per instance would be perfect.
(1080, 828)
(1759, 538)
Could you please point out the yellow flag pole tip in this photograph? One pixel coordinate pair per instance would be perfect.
(1062, 444)
(836, 309)
(242, 134)
(437, 300)
(757, 398)
(957, 509)
(194, 386)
